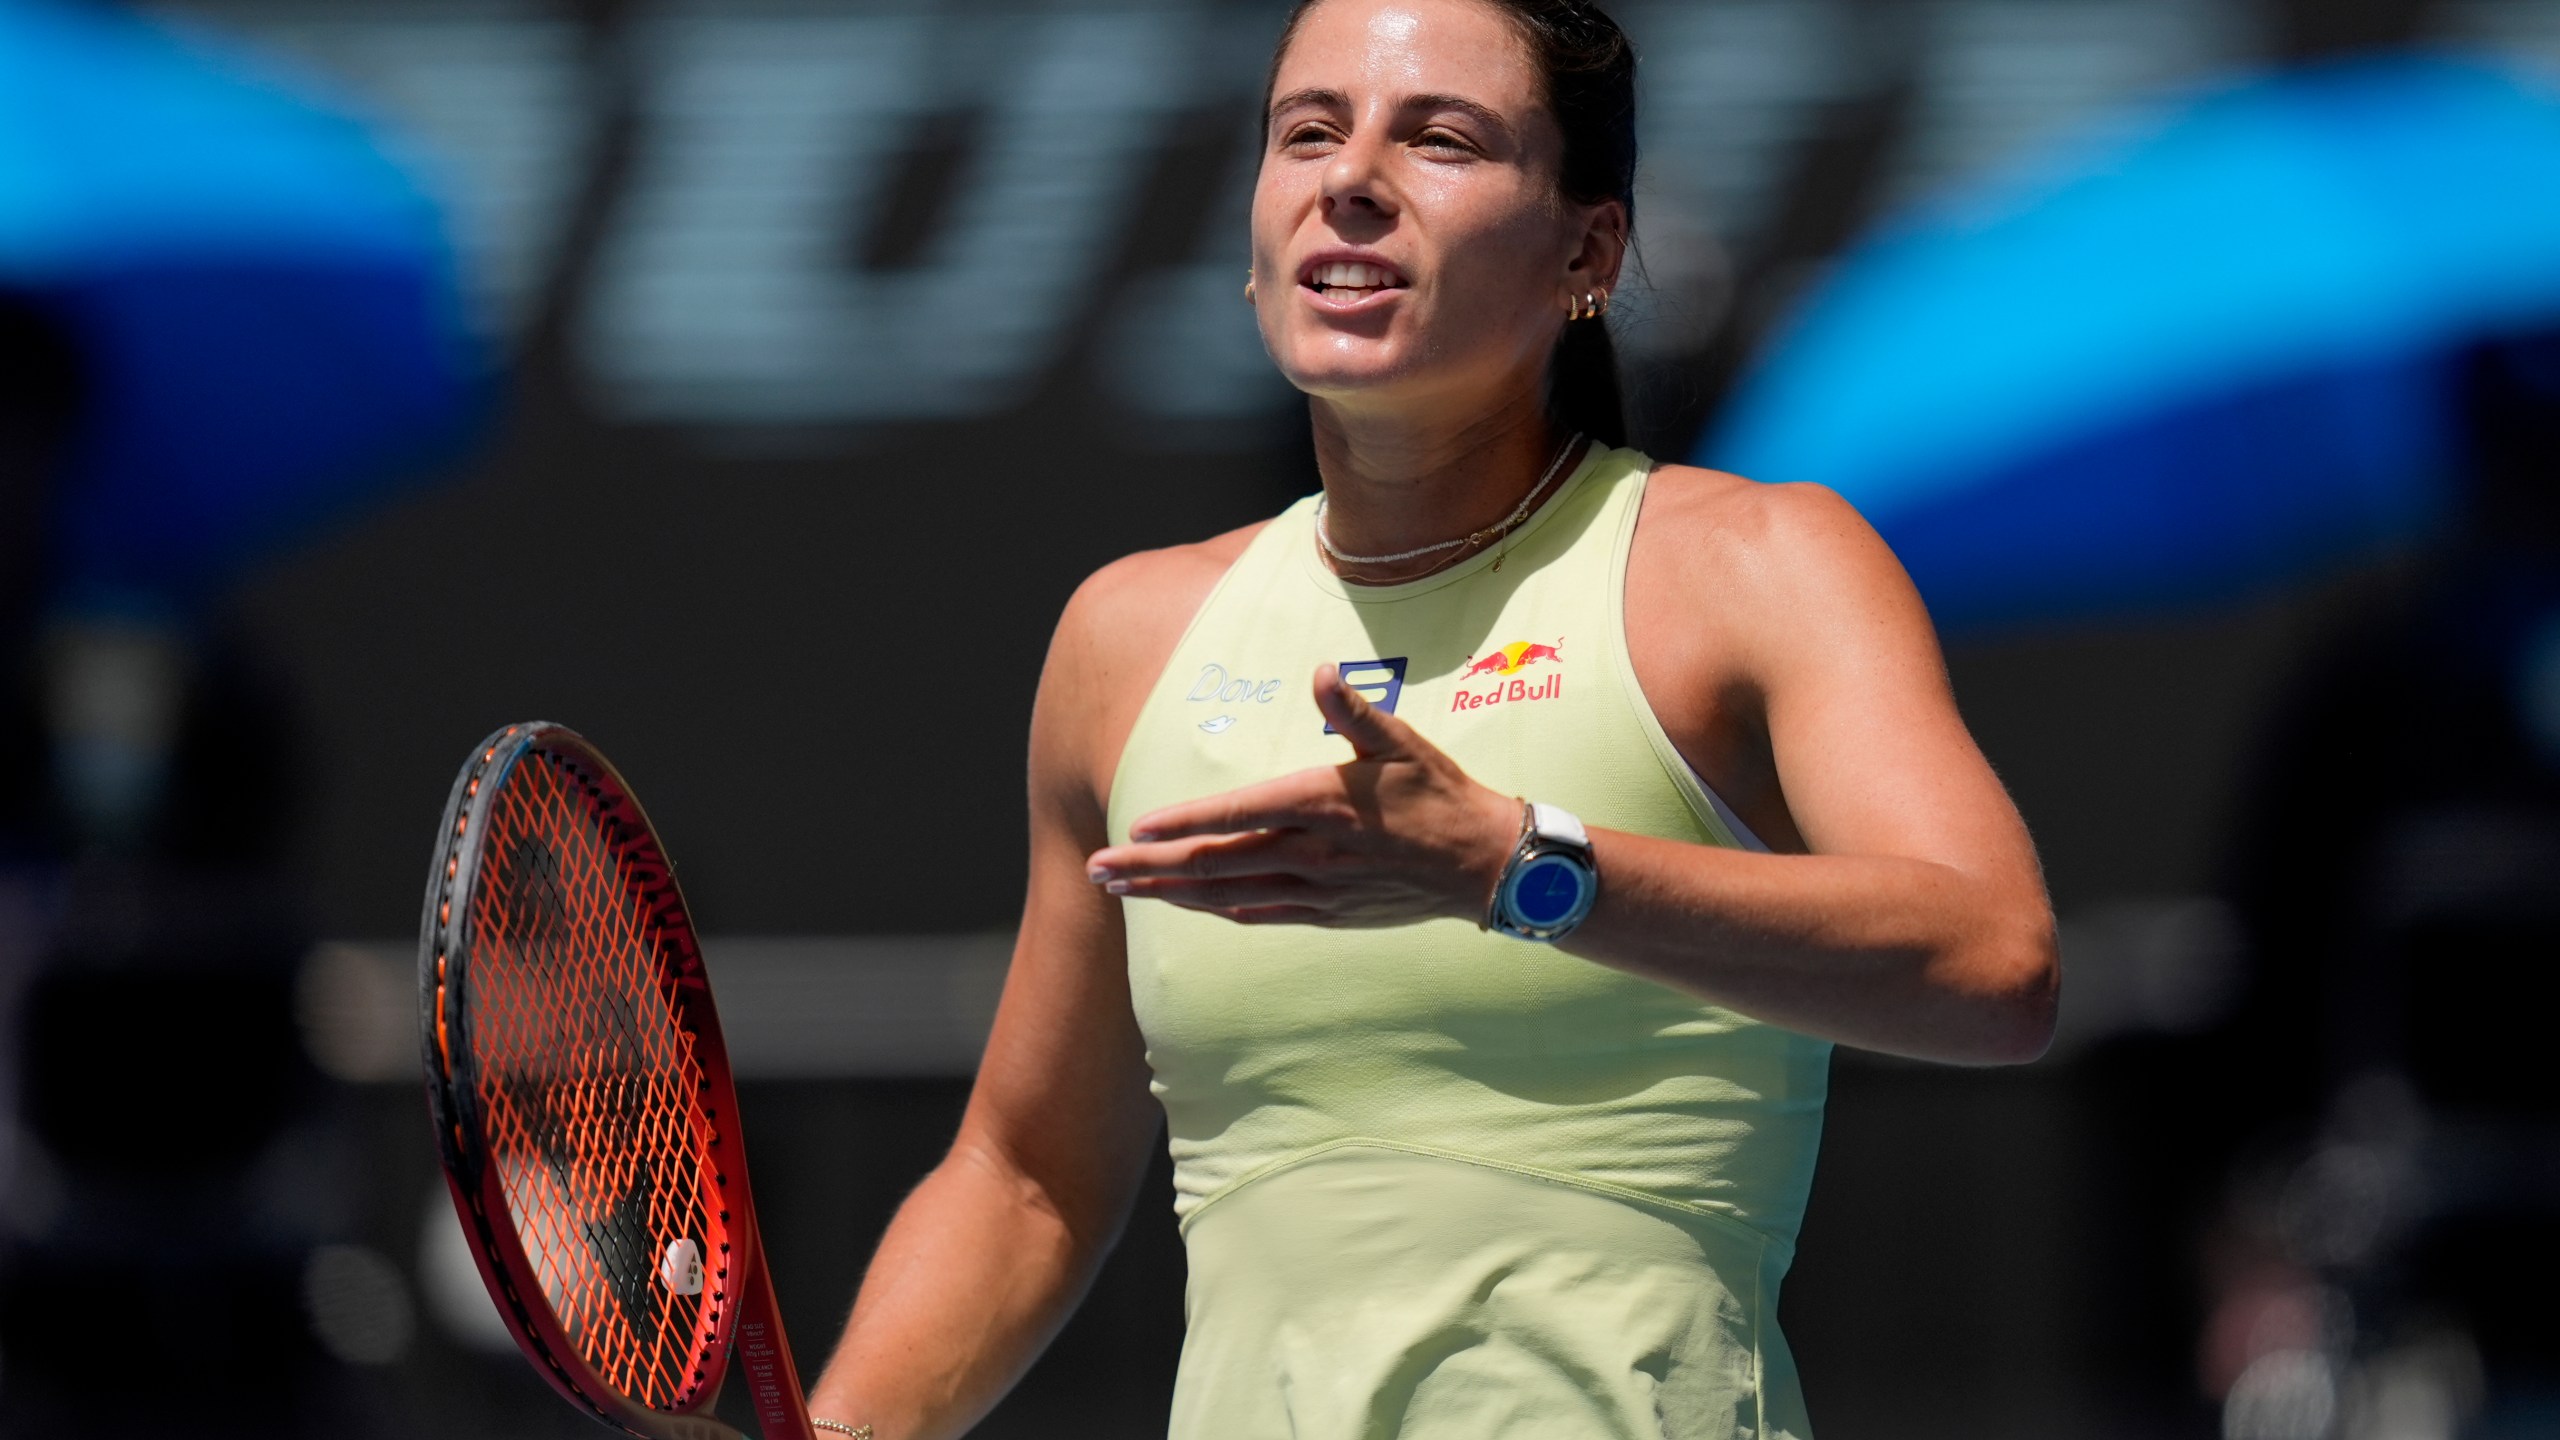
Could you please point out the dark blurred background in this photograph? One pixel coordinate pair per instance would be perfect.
(831, 344)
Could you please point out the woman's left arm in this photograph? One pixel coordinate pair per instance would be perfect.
(1918, 924)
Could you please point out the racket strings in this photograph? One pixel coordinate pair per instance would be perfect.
(589, 1085)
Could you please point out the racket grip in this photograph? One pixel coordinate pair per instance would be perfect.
(773, 1381)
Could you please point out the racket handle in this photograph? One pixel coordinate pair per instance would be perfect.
(773, 1382)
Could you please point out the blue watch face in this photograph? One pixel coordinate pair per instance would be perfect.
(1546, 891)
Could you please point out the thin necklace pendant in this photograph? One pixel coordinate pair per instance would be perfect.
(1458, 557)
(1498, 531)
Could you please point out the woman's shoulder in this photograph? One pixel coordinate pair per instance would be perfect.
(1151, 589)
(1117, 632)
(1718, 507)
(1124, 621)
(1782, 537)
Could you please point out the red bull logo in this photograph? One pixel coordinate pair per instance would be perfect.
(1501, 667)
(1517, 656)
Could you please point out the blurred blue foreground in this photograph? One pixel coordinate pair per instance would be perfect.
(262, 303)
(2214, 346)
(226, 315)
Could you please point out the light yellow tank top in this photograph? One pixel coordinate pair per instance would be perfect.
(1435, 1182)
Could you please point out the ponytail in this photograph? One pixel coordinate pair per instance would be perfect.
(1582, 383)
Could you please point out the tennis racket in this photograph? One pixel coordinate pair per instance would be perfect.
(582, 1099)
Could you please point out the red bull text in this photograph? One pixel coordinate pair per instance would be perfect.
(1509, 687)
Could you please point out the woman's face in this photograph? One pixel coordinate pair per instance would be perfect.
(1409, 240)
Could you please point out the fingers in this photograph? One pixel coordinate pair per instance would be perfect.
(1279, 915)
(1224, 895)
(1240, 882)
(1264, 879)
(1246, 884)
(1374, 734)
(1310, 799)
(1207, 857)
(1271, 914)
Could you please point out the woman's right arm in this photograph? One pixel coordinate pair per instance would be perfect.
(988, 1256)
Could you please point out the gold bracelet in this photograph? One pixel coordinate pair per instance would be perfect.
(858, 1432)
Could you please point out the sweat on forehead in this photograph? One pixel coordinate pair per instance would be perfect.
(1582, 67)
(1389, 31)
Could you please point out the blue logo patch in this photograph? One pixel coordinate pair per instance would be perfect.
(1381, 682)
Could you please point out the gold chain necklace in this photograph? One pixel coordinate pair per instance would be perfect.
(1477, 538)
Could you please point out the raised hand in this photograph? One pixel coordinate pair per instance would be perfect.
(1395, 834)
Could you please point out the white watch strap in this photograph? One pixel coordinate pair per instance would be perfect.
(1554, 822)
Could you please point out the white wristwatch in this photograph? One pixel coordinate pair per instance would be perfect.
(1551, 880)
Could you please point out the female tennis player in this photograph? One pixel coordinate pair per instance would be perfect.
(1489, 987)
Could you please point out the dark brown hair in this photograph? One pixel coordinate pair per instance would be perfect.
(1590, 74)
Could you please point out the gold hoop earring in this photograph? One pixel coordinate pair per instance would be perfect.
(1248, 287)
(1603, 307)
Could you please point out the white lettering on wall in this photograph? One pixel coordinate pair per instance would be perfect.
(730, 293)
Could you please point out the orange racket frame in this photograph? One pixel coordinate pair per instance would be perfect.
(735, 1314)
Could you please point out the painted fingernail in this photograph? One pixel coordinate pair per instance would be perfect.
(1142, 834)
(1117, 887)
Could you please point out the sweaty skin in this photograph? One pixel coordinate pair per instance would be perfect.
(1775, 637)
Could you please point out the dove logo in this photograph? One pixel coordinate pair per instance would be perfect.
(1215, 686)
